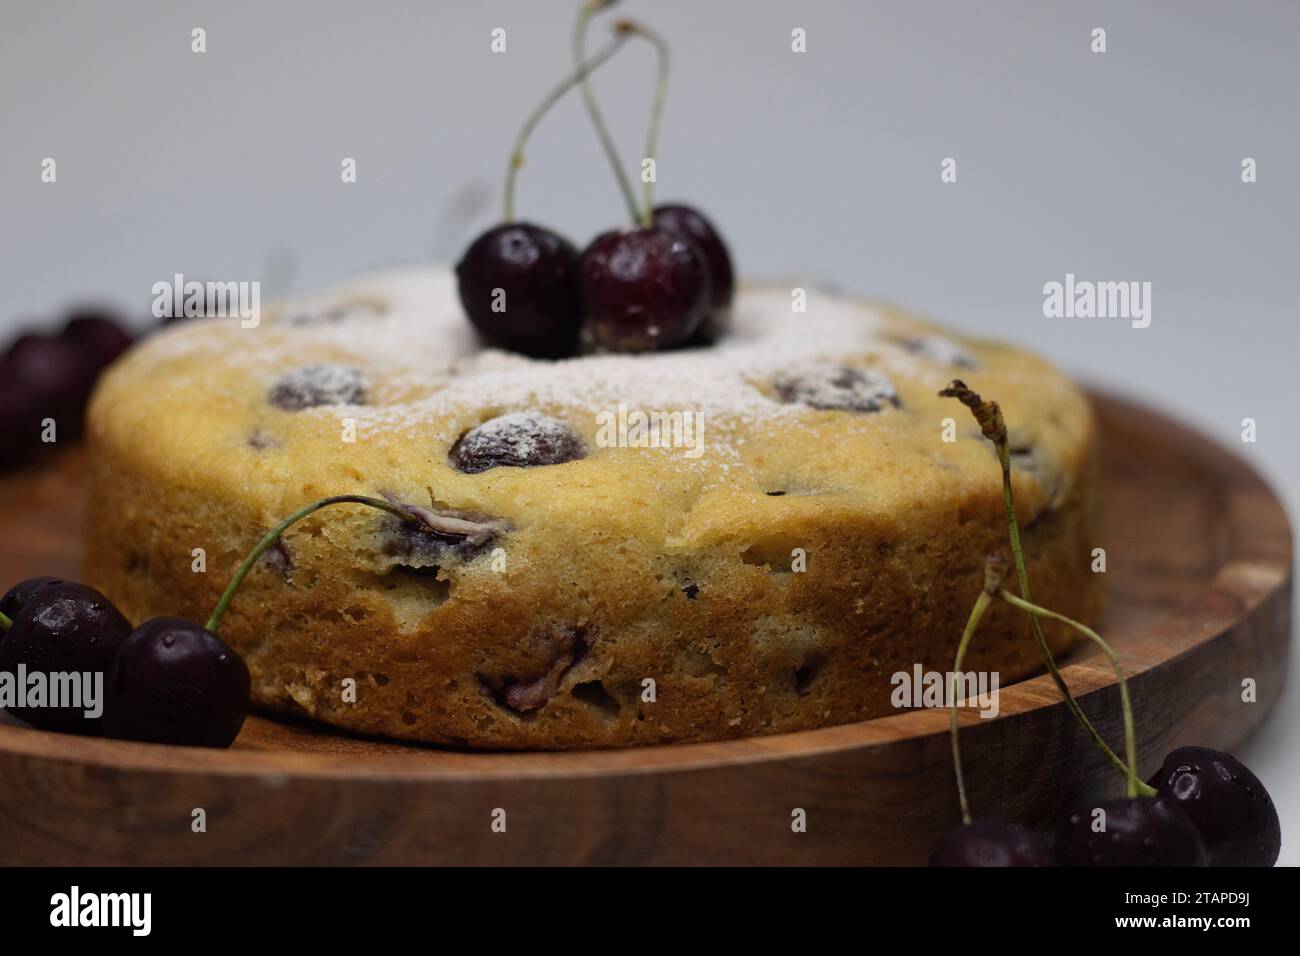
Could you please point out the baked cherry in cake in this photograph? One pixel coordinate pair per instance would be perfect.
(520, 440)
(830, 387)
(314, 385)
(643, 290)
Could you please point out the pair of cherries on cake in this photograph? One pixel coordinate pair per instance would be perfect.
(527, 289)
(665, 282)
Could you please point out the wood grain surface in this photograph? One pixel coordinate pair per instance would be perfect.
(1199, 565)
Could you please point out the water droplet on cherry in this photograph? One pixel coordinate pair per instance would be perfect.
(1139, 831)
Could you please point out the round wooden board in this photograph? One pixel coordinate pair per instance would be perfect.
(1199, 564)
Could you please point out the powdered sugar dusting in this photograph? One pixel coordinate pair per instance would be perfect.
(938, 349)
(422, 360)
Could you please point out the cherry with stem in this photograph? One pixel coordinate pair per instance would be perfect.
(518, 282)
(645, 287)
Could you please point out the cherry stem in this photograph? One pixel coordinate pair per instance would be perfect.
(573, 79)
(994, 428)
(976, 613)
(585, 13)
(5, 623)
(269, 539)
(1135, 786)
(656, 109)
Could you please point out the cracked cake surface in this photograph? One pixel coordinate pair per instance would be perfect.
(802, 519)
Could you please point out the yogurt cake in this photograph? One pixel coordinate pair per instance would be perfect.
(809, 519)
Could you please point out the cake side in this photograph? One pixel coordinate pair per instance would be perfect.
(624, 565)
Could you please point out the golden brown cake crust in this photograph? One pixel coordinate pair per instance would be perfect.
(627, 565)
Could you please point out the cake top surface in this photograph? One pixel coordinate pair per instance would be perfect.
(382, 382)
(408, 324)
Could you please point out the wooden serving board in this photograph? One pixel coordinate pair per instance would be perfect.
(1199, 558)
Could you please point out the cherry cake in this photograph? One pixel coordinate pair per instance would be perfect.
(746, 536)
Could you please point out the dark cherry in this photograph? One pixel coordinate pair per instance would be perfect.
(20, 419)
(18, 596)
(1226, 802)
(552, 652)
(643, 290)
(314, 385)
(62, 628)
(537, 273)
(690, 224)
(519, 439)
(1139, 831)
(993, 843)
(175, 682)
(425, 550)
(59, 374)
(98, 333)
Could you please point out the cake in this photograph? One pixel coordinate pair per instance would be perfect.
(735, 539)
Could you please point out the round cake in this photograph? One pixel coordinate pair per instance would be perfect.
(755, 535)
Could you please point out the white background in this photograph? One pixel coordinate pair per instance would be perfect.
(1124, 165)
